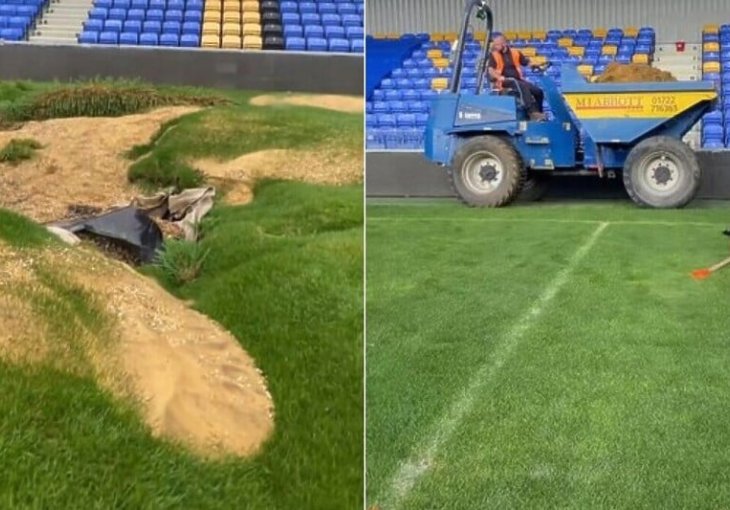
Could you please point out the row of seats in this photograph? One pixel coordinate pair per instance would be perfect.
(716, 67)
(17, 17)
(335, 26)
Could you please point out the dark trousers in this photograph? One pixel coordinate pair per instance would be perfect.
(531, 94)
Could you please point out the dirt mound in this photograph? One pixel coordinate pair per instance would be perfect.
(347, 104)
(237, 176)
(81, 162)
(633, 73)
(194, 382)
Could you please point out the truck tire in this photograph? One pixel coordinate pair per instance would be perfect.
(662, 172)
(535, 188)
(487, 172)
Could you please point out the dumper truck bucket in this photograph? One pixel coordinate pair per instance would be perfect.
(625, 113)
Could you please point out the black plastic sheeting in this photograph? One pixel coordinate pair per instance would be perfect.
(128, 226)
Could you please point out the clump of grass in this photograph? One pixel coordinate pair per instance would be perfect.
(101, 99)
(19, 149)
(182, 261)
(163, 171)
(20, 232)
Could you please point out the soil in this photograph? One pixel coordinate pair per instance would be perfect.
(236, 177)
(347, 104)
(633, 73)
(81, 162)
(193, 381)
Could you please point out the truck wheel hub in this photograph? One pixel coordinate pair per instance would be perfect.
(488, 173)
(482, 172)
(661, 174)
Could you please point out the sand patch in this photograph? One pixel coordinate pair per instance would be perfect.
(81, 162)
(347, 104)
(194, 382)
(633, 73)
(237, 176)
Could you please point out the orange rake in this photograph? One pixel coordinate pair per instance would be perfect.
(701, 274)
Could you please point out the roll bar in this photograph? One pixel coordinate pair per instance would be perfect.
(483, 12)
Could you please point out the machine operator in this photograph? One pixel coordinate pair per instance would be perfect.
(505, 70)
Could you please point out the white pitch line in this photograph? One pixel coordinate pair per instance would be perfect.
(549, 220)
(411, 471)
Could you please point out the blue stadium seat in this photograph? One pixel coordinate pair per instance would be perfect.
(421, 119)
(347, 8)
(98, 13)
(410, 95)
(117, 14)
(414, 74)
(393, 95)
(314, 31)
(358, 33)
(335, 32)
(397, 106)
(288, 7)
(140, 4)
(109, 38)
(316, 44)
(151, 27)
(293, 31)
(160, 5)
(135, 15)
(132, 26)
(351, 20)
(307, 7)
(295, 43)
(380, 107)
(112, 25)
(7, 10)
(29, 11)
(190, 28)
(291, 18)
(129, 38)
(169, 40)
(155, 15)
(171, 27)
(189, 40)
(405, 120)
(378, 95)
(339, 45)
(327, 8)
(417, 106)
(176, 5)
(386, 120)
(84, 37)
(173, 15)
(149, 39)
(331, 19)
(193, 16)
(93, 25)
(371, 120)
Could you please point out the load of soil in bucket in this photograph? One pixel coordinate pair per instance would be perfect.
(633, 73)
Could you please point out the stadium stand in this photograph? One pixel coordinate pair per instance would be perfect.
(716, 67)
(229, 24)
(18, 17)
(400, 87)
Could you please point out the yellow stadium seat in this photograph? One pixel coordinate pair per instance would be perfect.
(640, 58)
(231, 29)
(231, 42)
(576, 51)
(451, 36)
(480, 36)
(711, 67)
(251, 17)
(524, 35)
(213, 7)
(609, 50)
(252, 42)
(565, 42)
(393, 35)
(212, 28)
(600, 32)
(231, 5)
(434, 53)
(249, 6)
(437, 36)
(585, 69)
(251, 29)
(210, 41)
(631, 32)
(211, 17)
(539, 60)
(539, 34)
(529, 52)
(711, 28)
(440, 83)
(232, 17)
(711, 46)
(441, 63)
(510, 36)
(380, 35)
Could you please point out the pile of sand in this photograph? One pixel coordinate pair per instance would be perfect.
(628, 73)
(193, 381)
(237, 176)
(82, 162)
(347, 104)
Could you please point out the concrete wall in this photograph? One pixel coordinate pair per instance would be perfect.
(260, 70)
(673, 19)
(408, 174)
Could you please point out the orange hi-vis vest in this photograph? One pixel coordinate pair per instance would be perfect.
(499, 61)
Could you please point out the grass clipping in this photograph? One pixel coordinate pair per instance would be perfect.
(76, 311)
(633, 73)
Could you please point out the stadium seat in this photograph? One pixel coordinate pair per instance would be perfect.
(84, 37)
(129, 38)
(148, 39)
(295, 43)
(109, 38)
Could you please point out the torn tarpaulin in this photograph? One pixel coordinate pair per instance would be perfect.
(185, 209)
(130, 227)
